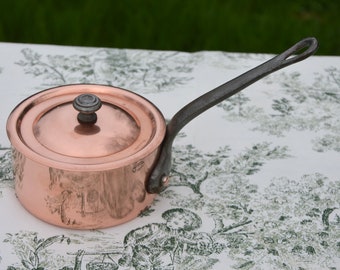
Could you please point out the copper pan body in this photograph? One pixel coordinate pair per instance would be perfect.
(83, 177)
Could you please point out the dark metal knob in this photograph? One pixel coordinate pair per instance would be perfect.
(87, 105)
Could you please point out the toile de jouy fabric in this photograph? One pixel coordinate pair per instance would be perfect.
(255, 181)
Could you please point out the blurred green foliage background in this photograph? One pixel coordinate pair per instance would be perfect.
(185, 25)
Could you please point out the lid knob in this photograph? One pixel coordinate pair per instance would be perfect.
(87, 105)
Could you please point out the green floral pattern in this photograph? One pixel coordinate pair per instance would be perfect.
(248, 202)
(302, 107)
(143, 70)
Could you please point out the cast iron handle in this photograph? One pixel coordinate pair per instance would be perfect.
(159, 175)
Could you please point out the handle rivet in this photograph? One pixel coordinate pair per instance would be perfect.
(165, 180)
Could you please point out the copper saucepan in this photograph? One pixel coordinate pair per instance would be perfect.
(91, 156)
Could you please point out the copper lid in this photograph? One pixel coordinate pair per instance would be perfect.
(48, 127)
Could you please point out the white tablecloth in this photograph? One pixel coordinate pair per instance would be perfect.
(258, 174)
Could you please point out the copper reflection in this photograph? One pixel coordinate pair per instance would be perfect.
(84, 176)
